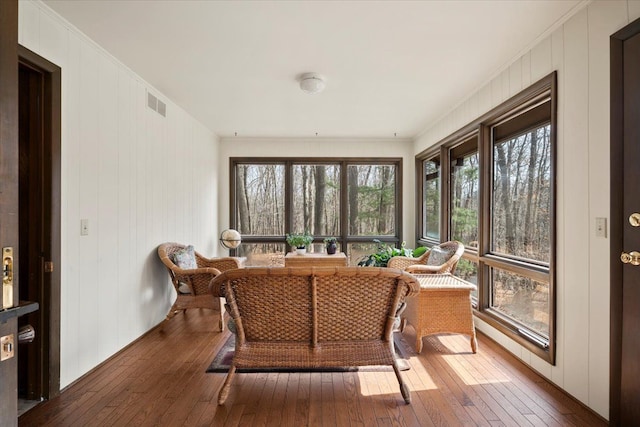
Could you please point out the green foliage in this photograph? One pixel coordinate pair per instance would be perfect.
(418, 252)
(384, 253)
(299, 240)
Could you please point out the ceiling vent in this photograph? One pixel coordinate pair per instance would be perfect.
(156, 105)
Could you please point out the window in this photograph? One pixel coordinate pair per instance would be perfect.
(260, 199)
(464, 189)
(431, 199)
(500, 202)
(522, 219)
(372, 200)
(355, 200)
(316, 207)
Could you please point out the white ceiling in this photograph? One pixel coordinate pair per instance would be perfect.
(392, 67)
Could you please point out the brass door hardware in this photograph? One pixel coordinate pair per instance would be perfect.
(7, 277)
(634, 219)
(7, 348)
(632, 258)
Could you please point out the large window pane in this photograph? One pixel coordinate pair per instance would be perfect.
(371, 200)
(274, 197)
(260, 199)
(431, 199)
(358, 251)
(522, 299)
(316, 205)
(464, 199)
(262, 254)
(521, 224)
(468, 270)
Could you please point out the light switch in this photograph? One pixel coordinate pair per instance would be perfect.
(84, 227)
(601, 227)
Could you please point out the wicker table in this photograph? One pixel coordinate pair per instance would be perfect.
(444, 305)
(292, 259)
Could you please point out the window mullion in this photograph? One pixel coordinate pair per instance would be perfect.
(484, 234)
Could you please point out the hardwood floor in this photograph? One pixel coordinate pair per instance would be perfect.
(160, 380)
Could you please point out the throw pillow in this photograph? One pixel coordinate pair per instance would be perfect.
(185, 258)
(439, 256)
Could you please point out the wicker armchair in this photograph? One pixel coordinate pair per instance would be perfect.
(316, 317)
(425, 265)
(192, 285)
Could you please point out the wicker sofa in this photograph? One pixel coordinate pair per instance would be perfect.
(313, 317)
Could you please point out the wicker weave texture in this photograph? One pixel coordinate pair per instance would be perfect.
(314, 317)
(277, 310)
(443, 306)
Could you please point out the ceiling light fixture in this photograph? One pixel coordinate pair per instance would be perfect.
(312, 83)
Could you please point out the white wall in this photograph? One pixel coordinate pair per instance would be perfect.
(322, 147)
(579, 51)
(140, 179)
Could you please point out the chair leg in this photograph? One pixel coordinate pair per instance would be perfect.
(404, 389)
(222, 311)
(403, 323)
(221, 322)
(224, 391)
(172, 311)
(474, 343)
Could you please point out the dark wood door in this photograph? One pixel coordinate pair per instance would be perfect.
(33, 213)
(40, 201)
(625, 227)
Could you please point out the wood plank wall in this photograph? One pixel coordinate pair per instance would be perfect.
(139, 178)
(579, 50)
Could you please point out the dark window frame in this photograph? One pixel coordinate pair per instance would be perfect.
(343, 237)
(525, 101)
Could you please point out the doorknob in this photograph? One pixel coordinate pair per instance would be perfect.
(632, 258)
(634, 219)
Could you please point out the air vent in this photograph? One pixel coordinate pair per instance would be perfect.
(156, 105)
(162, 108)
(152, 102)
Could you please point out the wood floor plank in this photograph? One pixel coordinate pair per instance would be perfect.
(290, 400)
(160, 380)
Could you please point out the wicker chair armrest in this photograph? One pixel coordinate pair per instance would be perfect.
(180, 272)
(217, 286)
(222, 264)
(413, 287)
(424, 269)
(403, 262)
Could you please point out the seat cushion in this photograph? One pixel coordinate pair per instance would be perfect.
(439, 256)
(185, 258)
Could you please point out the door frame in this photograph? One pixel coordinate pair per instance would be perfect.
(9, 190)
(616, 212)
(52, 229)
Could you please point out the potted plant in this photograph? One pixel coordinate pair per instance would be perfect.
(299, 241)
(384, 253)
(331, 244)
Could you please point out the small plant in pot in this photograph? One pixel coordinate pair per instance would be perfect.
(299, 241)
(331, 244)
